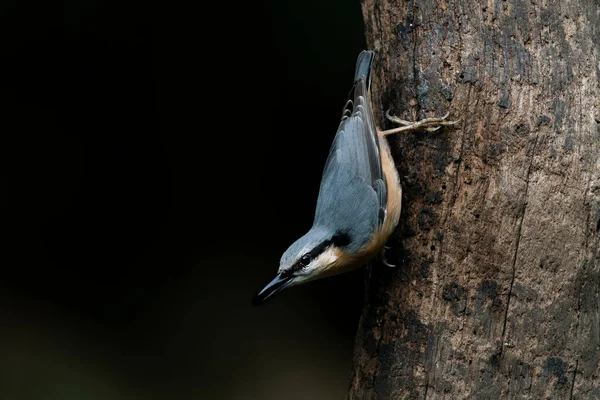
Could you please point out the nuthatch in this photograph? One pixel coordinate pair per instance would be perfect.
(360, 195)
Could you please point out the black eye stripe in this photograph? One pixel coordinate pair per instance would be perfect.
(339, 240)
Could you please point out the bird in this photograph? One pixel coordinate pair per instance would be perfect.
(360, 196)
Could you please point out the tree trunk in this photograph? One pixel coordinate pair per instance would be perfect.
(497, 289)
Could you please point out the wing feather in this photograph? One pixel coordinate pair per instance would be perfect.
(353, 193)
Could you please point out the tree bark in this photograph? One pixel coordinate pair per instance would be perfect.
(497, 289)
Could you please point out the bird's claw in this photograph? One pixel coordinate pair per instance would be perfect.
(427, 124)
(383, 259)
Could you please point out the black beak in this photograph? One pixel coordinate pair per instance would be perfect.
(279, 283)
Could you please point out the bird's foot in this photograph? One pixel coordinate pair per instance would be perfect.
(383, 259)
(428, 124)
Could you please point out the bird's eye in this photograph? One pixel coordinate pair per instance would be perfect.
(305, 260)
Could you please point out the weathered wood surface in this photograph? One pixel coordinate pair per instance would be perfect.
(497, 293)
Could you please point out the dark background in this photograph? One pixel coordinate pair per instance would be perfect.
(166, 154)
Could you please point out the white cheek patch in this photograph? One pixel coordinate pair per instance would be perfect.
(323, 261)
(317, 267)
(329, 257)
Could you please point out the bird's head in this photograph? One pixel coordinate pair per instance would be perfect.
(317, 254)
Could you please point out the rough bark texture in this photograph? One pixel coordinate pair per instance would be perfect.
(497, 293)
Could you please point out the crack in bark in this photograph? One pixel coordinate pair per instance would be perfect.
(462, 143)
(573, 381)
(585, 247)
(519, 229)
(415, 71)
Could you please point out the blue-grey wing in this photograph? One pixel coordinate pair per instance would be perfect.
(353, 193)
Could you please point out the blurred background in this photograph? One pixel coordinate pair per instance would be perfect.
(164, 156)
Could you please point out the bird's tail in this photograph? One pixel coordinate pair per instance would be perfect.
(364, 65)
